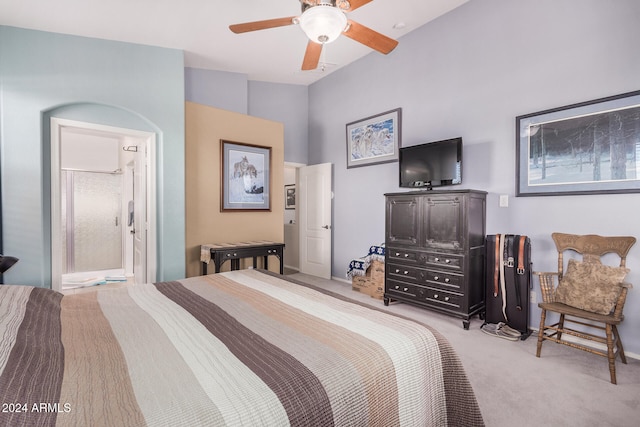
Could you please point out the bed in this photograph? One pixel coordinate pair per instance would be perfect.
(240, 348)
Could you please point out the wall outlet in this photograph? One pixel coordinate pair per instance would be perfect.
(533, 297)
(504, 200)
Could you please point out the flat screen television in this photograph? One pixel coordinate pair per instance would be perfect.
(434, 164)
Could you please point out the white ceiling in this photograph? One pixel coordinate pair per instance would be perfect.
(201, 29)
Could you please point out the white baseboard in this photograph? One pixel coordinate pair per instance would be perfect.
(340, 279)
(586, 343)
(534, 333)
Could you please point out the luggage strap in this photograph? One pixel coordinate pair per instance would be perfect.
(520, 269)
(506, 258)
(497, 267)
(502, 279)
(518, 240)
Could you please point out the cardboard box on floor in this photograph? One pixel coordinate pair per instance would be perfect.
(373, 283)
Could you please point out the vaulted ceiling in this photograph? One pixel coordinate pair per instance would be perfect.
(201, 29)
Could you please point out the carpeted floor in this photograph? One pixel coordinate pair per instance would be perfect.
(564, 387)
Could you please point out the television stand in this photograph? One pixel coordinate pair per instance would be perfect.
(435, 251)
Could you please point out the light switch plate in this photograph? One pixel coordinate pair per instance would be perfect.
(504, 200)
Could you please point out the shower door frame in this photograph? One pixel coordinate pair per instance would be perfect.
(70, 237)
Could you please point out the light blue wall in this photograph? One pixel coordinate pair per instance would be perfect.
(470, 73)
(118, 84)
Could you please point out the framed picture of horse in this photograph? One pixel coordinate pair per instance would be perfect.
(246, 177)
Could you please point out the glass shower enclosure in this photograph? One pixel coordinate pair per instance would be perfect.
(91, 222)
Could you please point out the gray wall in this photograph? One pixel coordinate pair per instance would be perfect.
(118, 84)
(284, 103)
(470, 73)
(287, 104)
(220, 89)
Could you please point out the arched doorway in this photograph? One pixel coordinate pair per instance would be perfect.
(115, 171)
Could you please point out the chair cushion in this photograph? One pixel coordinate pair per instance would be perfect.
(590, 286)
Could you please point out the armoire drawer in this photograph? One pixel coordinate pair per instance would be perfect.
(424, 294)
(448, 281)
(405, 289)
(402, 255)
(446, 260)
(403, 272)
(439, 297)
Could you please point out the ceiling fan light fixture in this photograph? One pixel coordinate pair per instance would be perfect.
(323, 23)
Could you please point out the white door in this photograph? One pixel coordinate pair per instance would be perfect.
(314, 219)
(140, 224)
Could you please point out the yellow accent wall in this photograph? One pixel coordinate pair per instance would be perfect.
(205, 223)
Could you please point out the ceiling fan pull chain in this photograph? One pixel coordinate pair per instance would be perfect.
(323, 59)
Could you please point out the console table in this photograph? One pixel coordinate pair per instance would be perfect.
(221, 252)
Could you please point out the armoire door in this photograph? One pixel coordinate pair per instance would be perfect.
(444, 221)
(403, 220)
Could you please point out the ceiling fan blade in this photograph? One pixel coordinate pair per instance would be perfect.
(369, 37)
(312, 56)
(261, 25)
(356, 4)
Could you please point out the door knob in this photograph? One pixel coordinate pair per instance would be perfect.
(326, 227)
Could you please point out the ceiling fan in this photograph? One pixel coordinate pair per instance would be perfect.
(323, 21)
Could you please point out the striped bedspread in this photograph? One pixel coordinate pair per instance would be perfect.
(242, 348)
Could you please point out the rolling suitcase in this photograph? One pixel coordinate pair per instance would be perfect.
(508, 281)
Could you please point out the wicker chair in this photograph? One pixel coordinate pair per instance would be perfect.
(592, 248)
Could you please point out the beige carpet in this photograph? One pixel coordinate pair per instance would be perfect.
(564, 387)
